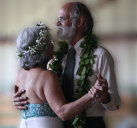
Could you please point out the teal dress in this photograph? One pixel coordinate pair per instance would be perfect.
(35, 110)
(40, 116)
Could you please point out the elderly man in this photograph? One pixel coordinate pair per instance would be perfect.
(74, 23)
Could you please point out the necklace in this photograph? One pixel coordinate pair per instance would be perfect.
(84, 70)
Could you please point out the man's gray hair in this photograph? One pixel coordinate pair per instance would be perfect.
(26, 38)
(79, 9)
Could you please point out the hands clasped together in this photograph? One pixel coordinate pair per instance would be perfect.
(100, 90)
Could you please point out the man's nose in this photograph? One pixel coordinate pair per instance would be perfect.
(58, 23)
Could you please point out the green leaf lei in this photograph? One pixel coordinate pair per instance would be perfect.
(84, 70)
(56, 65)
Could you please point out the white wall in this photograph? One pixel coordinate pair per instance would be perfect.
(8, 67)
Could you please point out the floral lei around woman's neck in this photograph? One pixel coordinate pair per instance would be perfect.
(84, 70)
(41, 41)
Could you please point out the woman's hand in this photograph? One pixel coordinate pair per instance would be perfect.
(50, 62)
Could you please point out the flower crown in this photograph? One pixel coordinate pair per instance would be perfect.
(41, 41)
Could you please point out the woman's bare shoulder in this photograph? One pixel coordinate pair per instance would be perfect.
(48, 74)
(19, 73)
(20, 70)
(49, 77)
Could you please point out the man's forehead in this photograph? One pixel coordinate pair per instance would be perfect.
(65, 10)
(63, 13)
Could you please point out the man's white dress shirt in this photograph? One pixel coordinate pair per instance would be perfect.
(104, 65)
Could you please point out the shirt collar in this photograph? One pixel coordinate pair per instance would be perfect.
(76, 46)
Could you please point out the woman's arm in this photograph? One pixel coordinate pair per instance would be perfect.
(56, 100)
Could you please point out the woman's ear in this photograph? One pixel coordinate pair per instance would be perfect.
(80, 21)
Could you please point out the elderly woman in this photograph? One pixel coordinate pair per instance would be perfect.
(47, 103)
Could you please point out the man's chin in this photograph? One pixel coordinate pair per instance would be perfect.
(61, 37)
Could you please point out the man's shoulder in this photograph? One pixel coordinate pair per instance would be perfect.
(102, 53)
(100, 50)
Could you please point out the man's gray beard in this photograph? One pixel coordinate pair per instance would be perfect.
(67, 32)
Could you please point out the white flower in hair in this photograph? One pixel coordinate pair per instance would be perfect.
(42, 40)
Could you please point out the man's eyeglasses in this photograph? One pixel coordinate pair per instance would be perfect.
(63, 19)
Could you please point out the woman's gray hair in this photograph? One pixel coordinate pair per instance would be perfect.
(79, 9)
(27, 38)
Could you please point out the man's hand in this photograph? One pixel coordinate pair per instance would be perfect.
(18, 100)
(101, 90)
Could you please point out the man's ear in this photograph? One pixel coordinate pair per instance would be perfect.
(80, 21)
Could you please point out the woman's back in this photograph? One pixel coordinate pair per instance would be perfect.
(33, 82)
(38, 113)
